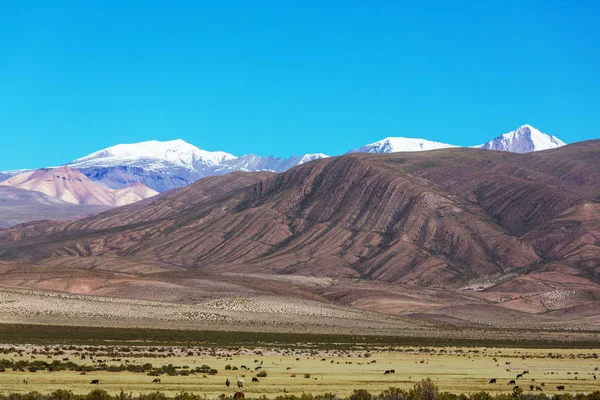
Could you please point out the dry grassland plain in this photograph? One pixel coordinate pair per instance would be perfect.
(453, 369)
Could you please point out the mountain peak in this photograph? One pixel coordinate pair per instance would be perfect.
(400, 144)
(524, 139)
(153, 155)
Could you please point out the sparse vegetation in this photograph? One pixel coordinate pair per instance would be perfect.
(424, 390)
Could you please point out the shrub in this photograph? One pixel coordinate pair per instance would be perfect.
(153, 396)
(424, 390)
(98, 394)
(61, 394)
(393, 393)
(361, 394)
(262, 374)
(123, 396)
(307, 375)
(228, 367)
(481, 396)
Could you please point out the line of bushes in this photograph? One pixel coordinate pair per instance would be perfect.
(37, 365)
(424, 390)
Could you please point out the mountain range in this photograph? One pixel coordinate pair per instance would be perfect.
(125, 173)
(167, 165)
(516, 234)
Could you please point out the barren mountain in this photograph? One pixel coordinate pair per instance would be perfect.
(394, 233)
(71, 186)
(18, 206)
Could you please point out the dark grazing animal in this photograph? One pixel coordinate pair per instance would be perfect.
(156, 380)
(493, 380)
(387, 372)
(95, 381)
(519, 376)
(512, 382)
(561, 387)
(238, 396)
(539, 389)
(227, 383)
(255, 380)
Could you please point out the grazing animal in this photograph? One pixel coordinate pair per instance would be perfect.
(244, 367)
(561, 387)
(331, 362)
(531, 387)
(83, 373)
(387, 372)
(156, 380)
(323, 359)
(525, 372)
(519, 376)
(257, 368)
(539, 389)
(288, 367)
(66, 359)
(227, 383)
(240, 382)
(26, 381)
(255, 380)
(95, 382)
(298, 359)
(392, 371)
(594, 376)
(493, 380)
(512, 382)
(238, 396)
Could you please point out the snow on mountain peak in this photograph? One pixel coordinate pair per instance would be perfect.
(524, 139)
(153, 155)
(401, 144)
(311, 157)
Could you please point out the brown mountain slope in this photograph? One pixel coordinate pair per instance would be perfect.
(456, 235)
(18, 206)
(445, 217)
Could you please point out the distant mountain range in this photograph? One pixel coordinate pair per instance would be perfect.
(171, 164)
(125, 173)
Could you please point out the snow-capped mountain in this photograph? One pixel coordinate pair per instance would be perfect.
(153, 156)
(167, 165)
(398, 144)
(523, 140)
(171, 164)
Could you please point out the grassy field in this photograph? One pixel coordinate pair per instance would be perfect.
(453, 369)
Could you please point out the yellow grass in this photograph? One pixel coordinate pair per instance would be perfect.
(466, 372)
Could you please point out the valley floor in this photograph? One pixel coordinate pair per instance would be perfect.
(297, 370)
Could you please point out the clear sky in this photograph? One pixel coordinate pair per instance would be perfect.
(290, 77)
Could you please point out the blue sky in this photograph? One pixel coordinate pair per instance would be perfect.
(285, 78)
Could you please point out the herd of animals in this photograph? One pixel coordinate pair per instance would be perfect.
(240, 382)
